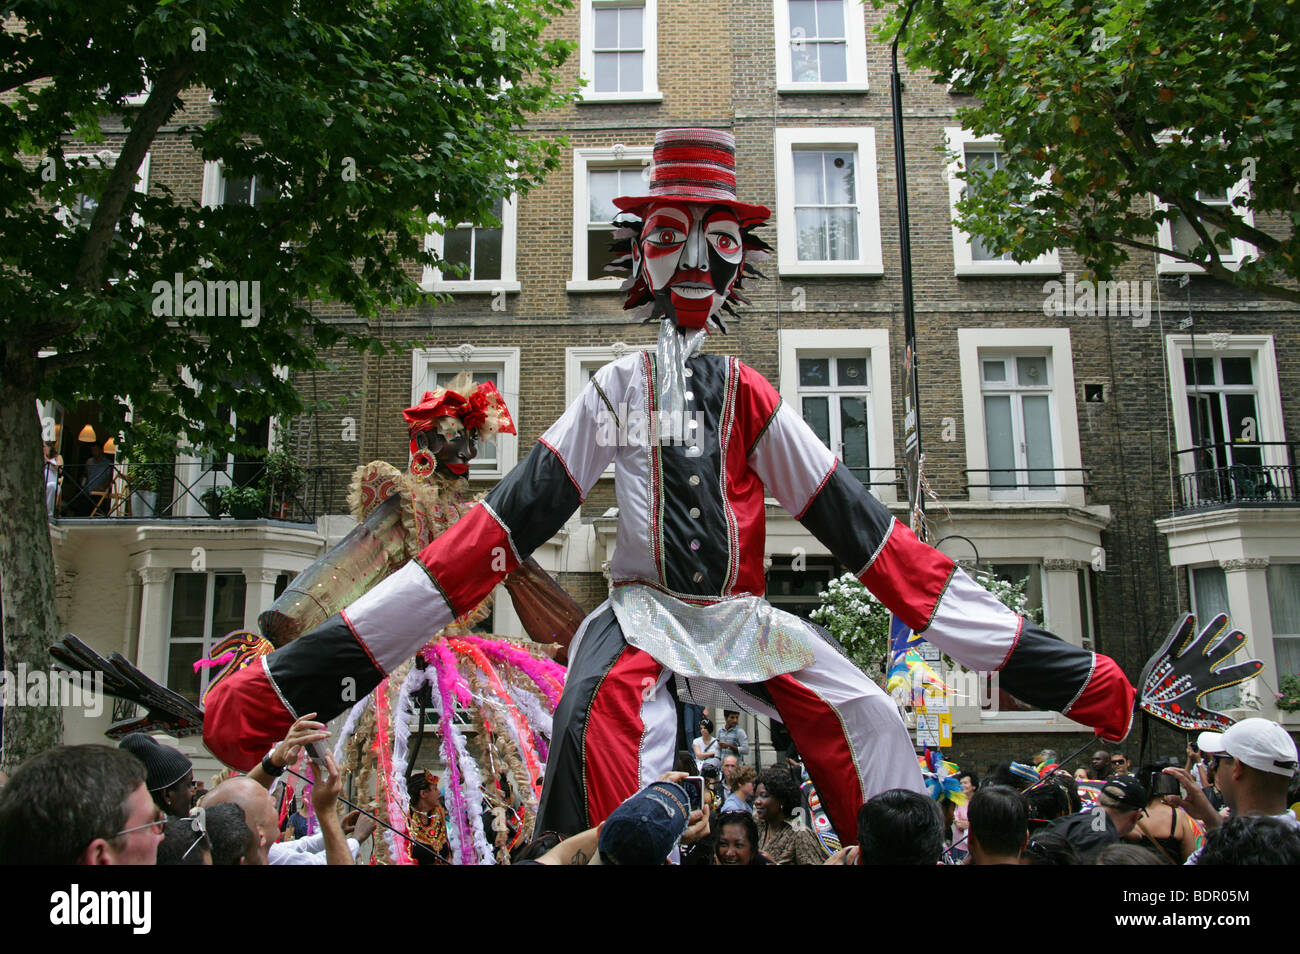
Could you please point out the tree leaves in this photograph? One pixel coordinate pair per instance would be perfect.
(357, 121)
(1133, 99)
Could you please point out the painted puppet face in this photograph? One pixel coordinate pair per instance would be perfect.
(452, 446)
(691, 256)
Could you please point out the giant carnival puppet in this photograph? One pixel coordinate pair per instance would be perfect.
(686, 614)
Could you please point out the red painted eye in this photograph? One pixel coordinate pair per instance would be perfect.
(665, 236)
(725, 243)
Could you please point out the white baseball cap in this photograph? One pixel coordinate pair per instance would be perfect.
(1211, 743)
(1261, 744)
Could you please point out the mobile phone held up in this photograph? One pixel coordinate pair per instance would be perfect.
(1166, 785)
(694, 785)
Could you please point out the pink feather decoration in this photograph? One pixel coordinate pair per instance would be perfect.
(214, 663)
(448, 678)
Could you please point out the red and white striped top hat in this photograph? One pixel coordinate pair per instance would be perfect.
(698, 166)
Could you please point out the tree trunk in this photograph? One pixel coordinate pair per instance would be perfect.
(26, 557)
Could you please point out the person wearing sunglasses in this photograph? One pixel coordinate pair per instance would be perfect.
(1253, 763)
(99, 794)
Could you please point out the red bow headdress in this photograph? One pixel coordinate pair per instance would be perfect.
(484, 410)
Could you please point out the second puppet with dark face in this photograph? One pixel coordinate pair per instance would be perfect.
(452, 446)
(448, 424)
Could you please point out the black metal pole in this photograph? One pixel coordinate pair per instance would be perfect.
(912, 425)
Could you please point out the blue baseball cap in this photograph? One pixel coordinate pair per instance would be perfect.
(644, 829)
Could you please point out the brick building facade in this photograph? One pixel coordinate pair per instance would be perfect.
(1050, 440)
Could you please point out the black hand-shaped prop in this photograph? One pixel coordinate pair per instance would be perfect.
(1187, 667)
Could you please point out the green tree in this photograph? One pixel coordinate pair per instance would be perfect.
(358, 119)
(1102, 105)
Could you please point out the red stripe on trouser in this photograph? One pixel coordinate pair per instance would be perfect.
(611, 743)
(243, 717)
(1106, 703)
(818, 733)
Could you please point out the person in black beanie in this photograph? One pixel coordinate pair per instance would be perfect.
(169, 775)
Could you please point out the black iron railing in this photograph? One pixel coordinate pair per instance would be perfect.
(865, 476)
(221, 489)
(1249, 473)
(1021, 478)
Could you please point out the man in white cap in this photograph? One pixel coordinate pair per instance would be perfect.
(1255, 761)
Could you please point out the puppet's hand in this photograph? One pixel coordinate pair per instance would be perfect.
(1190, 666)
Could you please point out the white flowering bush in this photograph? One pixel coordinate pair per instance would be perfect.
(861, 622)
(858, 620)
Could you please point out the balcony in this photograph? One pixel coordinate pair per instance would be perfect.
(180, 490)
(1237, 474)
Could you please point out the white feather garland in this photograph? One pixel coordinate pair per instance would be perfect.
(349, 727)
(446, 712)
(532, 709)
(415, 679)
(473, 788)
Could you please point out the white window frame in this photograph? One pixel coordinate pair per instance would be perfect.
(432, 280)
(956, 140)
(1016, 393)
(649, 92)
(1241, 249)
(1055, 342)
(862, 139)
(837, 342)
(108, 158)
(583, 161)
(855, 32)
(214, 184)
(594, 357)
(468, 357)
(207, 641)
(1269, 396)
(142, 97)
(1278, 637)
(189, 467)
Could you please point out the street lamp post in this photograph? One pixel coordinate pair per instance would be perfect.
(911, 400)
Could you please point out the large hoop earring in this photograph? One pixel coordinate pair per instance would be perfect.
(423, 463)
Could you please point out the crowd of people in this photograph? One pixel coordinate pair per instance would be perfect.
(140, 804)
(1230, 801)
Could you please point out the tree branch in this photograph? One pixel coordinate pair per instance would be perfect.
(1192, 207)
(1232, 223)
(1202, 233)
(93, 262)
(1213, 270)
(65, 359)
